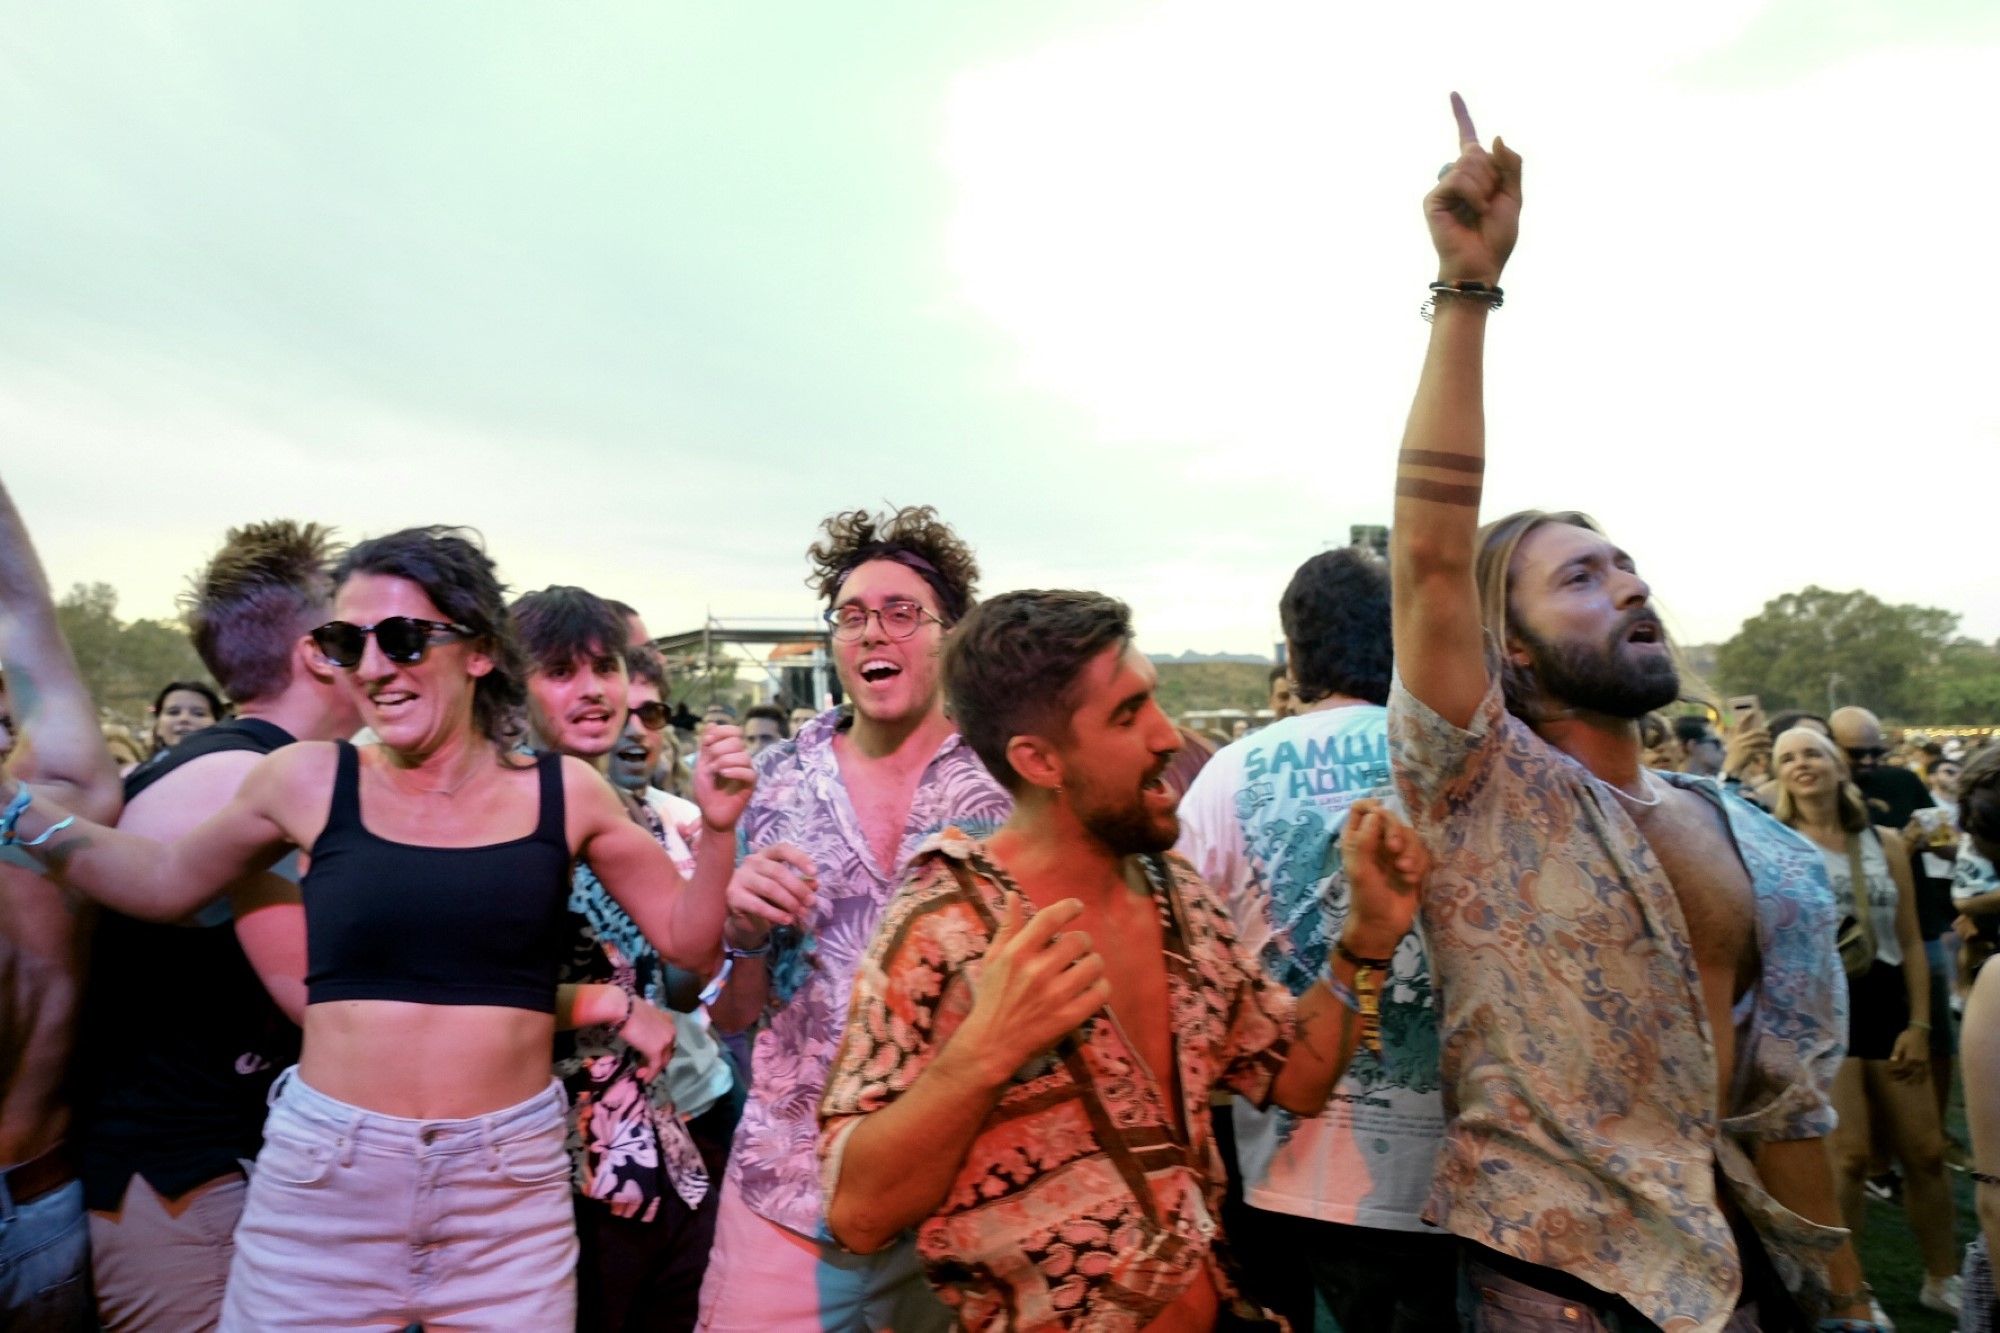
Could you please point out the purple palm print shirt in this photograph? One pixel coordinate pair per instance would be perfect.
(1579, 1072)
(801, 800)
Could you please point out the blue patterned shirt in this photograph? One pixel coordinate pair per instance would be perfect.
(1579, 1069)
(801, 800)
(1262, 824)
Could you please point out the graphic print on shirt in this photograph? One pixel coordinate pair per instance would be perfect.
(1262, 824)
(1292, 808)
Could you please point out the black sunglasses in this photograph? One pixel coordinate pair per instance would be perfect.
(652, 716)
(402, 639)
(1860, 752)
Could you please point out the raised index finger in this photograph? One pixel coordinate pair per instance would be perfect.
(1467, 136)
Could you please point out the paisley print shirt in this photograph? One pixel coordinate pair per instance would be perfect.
(1579, 1069)
(1041, 1230)
(628, 1141)
(801, 800)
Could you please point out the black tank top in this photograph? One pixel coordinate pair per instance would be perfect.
(178, 1041)
(436, 925)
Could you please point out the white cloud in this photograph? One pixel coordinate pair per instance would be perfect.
(1741, 326)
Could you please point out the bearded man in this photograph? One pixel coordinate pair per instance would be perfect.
(1643, 1008)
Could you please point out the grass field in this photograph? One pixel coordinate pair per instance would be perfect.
(1889, 1251)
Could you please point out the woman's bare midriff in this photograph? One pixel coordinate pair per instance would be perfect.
(426, 1061)
(1194, 1312)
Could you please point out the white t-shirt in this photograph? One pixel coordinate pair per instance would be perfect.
(1261, 823)
(1883, 894)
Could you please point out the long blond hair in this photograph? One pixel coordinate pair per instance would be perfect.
(1853, 809)
(1491, 572)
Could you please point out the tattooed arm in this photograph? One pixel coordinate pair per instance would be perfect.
(1474, 214)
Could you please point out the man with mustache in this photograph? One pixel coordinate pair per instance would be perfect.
(1040, 1020)
(652, 1093)
(1643, 1007)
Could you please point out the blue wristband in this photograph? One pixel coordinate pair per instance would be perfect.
(12, 815)
(1342, 993)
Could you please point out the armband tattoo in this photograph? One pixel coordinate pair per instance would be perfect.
(1437, 492)
(1439, 458)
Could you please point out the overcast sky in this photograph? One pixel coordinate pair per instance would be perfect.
(1128, 290)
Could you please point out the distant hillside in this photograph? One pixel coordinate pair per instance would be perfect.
(1212, 684)
(1162, 659)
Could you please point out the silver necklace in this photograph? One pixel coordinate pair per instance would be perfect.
(1646, 779)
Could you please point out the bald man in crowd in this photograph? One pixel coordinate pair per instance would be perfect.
(1894, 796)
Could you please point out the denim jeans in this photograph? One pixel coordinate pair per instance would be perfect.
(367, 1221)
(45, 1262)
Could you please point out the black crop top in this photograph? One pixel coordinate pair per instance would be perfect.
(436, 925)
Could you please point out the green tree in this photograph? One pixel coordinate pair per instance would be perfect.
(1812, 648)
(123, 664)
(1961, 688)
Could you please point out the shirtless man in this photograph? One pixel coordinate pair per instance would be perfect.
(840, 809)
(44, 1242)
(1642, 1008)
(1041, 1019)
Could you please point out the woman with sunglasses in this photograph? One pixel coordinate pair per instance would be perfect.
(413, 1167)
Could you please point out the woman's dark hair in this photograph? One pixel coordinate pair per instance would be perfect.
(1335, 614)
(914, 537)
(1010, 668)
(216, 708)
(452, 567)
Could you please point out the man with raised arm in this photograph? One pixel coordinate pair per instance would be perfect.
(1642, 1004)
(44, 1241)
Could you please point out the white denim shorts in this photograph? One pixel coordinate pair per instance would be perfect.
(358, 1220)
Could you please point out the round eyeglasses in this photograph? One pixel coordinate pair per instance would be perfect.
(899, 620)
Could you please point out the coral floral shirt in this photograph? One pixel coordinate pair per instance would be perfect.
(1043, 1229)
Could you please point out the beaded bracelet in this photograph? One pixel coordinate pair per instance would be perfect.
(1477, 291)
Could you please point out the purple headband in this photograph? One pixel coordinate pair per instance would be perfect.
(947, 598)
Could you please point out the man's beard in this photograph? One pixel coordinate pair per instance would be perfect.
(1126, 829)
(1600, 679)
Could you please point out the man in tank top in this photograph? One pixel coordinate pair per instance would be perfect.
(203, 1013)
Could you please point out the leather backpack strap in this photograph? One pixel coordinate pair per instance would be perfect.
(1857, 879)
(1070, 1051)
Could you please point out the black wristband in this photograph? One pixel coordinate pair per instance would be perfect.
(1379, 964)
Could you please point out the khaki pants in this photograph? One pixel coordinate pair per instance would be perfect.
(161, 1264)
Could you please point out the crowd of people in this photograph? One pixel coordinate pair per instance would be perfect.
(414, 980)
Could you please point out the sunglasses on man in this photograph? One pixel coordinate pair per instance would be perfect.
(402, 639)
(652, 716)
